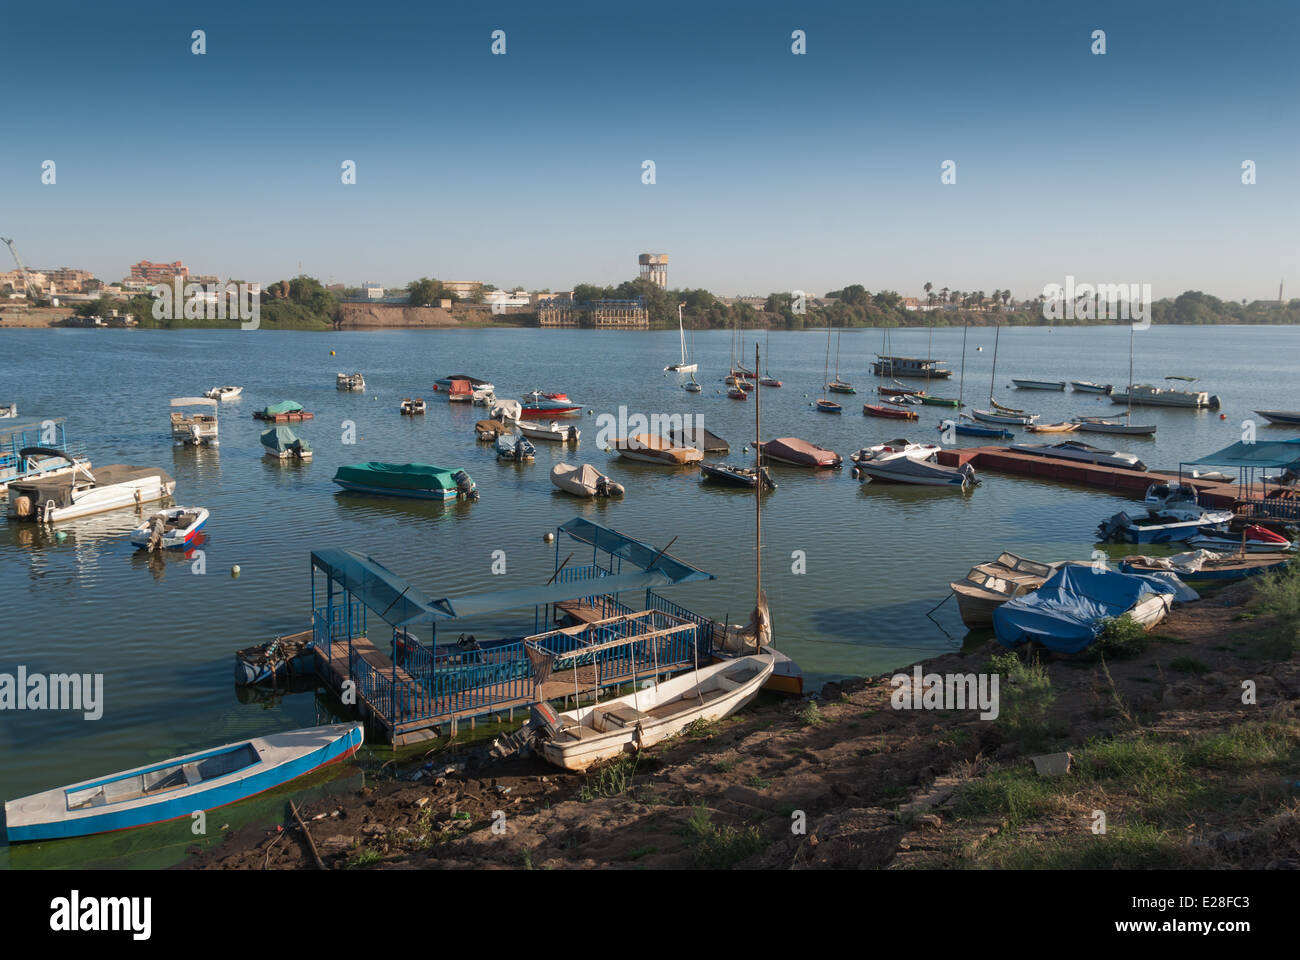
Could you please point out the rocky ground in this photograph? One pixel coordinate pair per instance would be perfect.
(1163, 748)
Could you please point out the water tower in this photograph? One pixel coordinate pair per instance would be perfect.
(654, 267)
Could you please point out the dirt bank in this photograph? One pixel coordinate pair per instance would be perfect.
(1185, 773)
(12, 316)
(362, 316)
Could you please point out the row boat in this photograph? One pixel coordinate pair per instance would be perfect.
(889, 412)
(1011, 419)
(828, 406)
(989, 585)
(176, 788)
(1038, 384)
(1102, 425)
(1067, 426)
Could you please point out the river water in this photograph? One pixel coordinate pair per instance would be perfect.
(850, 569)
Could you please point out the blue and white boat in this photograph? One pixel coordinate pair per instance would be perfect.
(173, 528)
(978, 430)
(176, 788)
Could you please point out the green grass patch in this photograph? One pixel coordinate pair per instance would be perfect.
(1188, 665)
(719, 847)
(612, 779)
(1025, 696)
(810, 715)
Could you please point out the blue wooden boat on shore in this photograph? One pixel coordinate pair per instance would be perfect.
(176, 788)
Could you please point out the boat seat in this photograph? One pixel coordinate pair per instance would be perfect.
(623, 715)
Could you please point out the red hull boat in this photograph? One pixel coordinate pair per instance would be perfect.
(889, 412)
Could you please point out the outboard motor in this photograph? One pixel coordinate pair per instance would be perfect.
(465, 485)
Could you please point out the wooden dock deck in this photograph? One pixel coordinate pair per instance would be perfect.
(1129, 483)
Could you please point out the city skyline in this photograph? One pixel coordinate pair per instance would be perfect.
(773, 170)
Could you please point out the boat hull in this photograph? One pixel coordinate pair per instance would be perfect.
(1039, 384)
(1288, 418)
(44, 816)
(431, 494)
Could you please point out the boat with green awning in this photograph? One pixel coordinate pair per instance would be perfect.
(420, 480)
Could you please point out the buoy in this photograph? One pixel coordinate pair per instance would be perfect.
(549, 537)
(1223, 416)
(234, 571)
(331, 353)
(590, 412)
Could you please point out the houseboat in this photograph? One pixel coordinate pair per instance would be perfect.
(913, 367)
(191, 427)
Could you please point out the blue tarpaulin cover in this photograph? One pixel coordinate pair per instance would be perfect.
(1065, 613)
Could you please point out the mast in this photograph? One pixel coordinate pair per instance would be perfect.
(827, 369)
(993, 375)
(961, 390)
(838, 334)
(681, 331)
(758, 493)
(1128, 417)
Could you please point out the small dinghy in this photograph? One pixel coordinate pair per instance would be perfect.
(176, 788)
(726, 473)
(889, 412)
(413, 408)
(829, 406)
(645, 717)
(170, 529)
(1066, 426)
(989, 585)
(1206, 565)
(1010, 419)
(515, 449)
(1088, 386)
(557, 433)
(274, 660)
(977, 430)
(584, 480)
(1102, 425)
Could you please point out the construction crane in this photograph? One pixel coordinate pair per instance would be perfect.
(29, 288)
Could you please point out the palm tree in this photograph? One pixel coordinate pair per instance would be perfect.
(929, 297)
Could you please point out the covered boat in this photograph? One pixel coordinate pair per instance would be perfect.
(283, 444)
(799, 453)
(515, 449)
(175, 528)
(1079, 451)
(283, 411)
(1206, 565)
(1069, 610)
(584, 480)
(989, 585)
(176, 788)
(700, 439)
(419, 480)
(648, 448)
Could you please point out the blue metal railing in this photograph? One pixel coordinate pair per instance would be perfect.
(704, 637)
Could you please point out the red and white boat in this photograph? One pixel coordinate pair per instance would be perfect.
(889, 411)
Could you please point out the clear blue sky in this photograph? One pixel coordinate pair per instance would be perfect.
(774, 171)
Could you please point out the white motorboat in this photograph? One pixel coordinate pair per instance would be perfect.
(1079, 451)
(1102, 425)
(900, 468)
(1282, 418)
(350, 381)
(914, 451)
(193, 428)
(170, 529)
(8, 411)
(1015, 419)
(1089, 386)
(1038, 384)
(80, 492)
(223, 393)
(646, 717)
(412, 408)
(1251, 539)
(584, 480)
(555, 432)
(1180, 500)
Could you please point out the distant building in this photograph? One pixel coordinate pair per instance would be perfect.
(910, 303)
(464, 289)
(68, 280)
(600, 314)
(153, 272)
(14, 280)
(501, 299)
(654, 267)
(558, 298)
(372, 291)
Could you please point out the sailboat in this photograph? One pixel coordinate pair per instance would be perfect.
(966, 426)
(1000, 413)
(925, 396)
(738, 366)
(682, 367)
(1128, 427)
(823, 405)
(837, 385)
(769, 380)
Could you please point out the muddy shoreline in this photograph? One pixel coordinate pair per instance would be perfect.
(845, 780)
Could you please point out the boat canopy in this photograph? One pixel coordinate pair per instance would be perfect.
(1065, 614)
(281, 438)
(394, 599)
(194, 402)
(1265, 453)
(640, 555)
(398, 476)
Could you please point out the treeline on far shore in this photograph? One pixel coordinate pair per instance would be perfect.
(303, 303)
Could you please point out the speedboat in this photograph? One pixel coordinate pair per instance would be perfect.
(584, 480)
(515, 449)
(548, 407)
(1078, 451)
(350, 381)
(223, 393)
(79, 492)
(1039, 384)
(412, 408)
(736, 476)
(647, 448)
(900, 468)
(799, 453)
(170, 529)
(989, 585)
(474, 382)
(914, 451)
(175, 788)
(1088, 386)
(1288, 418)
(559, 433)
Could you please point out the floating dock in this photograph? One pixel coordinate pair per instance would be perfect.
(284, 417)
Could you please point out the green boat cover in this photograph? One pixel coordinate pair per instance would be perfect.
(282, 438)
(284, 406)
(397, 476)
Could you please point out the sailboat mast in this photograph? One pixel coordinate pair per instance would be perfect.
(826, 370)
(961, 390)
(681, 331)
(1128, 417)
(994, 374)
(758, 490)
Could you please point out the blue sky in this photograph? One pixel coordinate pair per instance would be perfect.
(774, 171)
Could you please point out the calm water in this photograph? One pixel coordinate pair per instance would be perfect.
(877, 557)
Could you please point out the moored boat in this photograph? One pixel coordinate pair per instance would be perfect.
(421, 481)
(223, 393)
(174, 528)
(1067, 426)
(1206, 565)
(799, 453)
(191, 428)
(900, 468)
(79, 492)
(546, 407)
(1145, 395)
(176, 788)
(989, 585)
(1038, 384)
(555, 432)
(1088, 386)
(647, 448)
(474, 382)
(515, 449)
(911, 367)
(584, 480)
(1122, 427)
(727, 473)
(283, 444)
(1285, 418)
(701, 439)
(412, 408)
(1252, 538)
(1010, 419)
(914, 451)
(965, 428)
(889, 411)
(350, 381)
(1079, 451)
(828, 406)
(284, 411)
